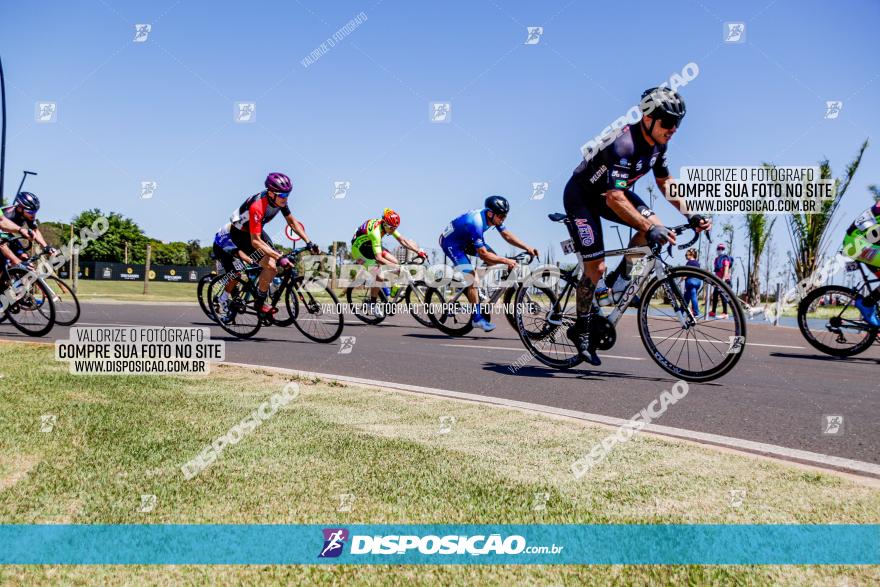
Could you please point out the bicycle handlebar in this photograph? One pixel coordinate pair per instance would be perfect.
(679, 230)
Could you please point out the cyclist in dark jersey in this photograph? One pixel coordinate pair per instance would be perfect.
(600, 188)
(247, 227)
(22, 217)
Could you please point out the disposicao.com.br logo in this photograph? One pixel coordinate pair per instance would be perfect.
(476, 545)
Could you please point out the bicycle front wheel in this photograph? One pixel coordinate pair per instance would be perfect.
(66, 302)
(542, 324)
(317, 312)
(831, 323)
(416, 294)
(33, 311)
(682, 344)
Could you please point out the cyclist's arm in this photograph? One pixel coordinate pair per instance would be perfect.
(618, 202)
(517, 242)
(7, 252)
(492, 258)
(7, 225)
(38, 236)
(679, 203)
(375, 236)
(406, 243)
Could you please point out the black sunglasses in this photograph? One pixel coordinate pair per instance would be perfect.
(669, 122)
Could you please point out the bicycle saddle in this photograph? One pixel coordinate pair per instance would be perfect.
(557, 217)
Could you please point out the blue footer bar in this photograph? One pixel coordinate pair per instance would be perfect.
(440, 544)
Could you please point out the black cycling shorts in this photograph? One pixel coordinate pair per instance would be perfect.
(224, 257)
(242, 240)
(585, 210)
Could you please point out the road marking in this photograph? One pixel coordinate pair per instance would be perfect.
(508, 348)
(704, 438)
(775, 346)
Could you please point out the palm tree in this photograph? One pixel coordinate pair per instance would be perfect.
(758, 232)
(809, 232)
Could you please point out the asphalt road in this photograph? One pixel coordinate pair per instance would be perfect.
(778, 394)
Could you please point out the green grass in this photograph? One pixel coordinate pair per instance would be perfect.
(117, 438)
(160, 291)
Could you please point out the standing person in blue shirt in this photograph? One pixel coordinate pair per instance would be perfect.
(463, 237)
(723, 269)
(692, 284)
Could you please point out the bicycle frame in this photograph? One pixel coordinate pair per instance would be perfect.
(483, 288)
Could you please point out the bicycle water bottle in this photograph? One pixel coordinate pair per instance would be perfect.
(387, 292)
(394, 290)
(273, 285)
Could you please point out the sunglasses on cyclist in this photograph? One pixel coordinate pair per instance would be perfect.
(669, 122)
(282, 194)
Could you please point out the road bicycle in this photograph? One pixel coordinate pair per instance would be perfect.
(681, 344)
(27, 300)
(450, 311)
(373, 311)
(829, 320)
(311, 305)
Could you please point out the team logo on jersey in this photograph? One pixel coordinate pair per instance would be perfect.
(638, 164)
(624, 161)
(653, 160)
(620, 183)
(585, 231)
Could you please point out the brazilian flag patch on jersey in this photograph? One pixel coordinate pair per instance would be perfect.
(620, 183)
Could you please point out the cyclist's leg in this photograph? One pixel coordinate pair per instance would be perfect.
(363, 254)
(461, 263)
(267, 264)
(585, 228)
(638, 238)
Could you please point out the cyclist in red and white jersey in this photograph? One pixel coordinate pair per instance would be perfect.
(246, 230)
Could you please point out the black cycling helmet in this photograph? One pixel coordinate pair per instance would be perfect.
(28, 201)
(498, 204)
(662, 104)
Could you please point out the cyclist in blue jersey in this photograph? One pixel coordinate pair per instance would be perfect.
(463, 238)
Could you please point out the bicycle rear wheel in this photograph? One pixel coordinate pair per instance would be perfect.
(202, 295)
(836, 328)
(33, 311)
(359, 303)
(66, 302)
(690, 349)
(316, 309)
(542, 324)
(237, 315)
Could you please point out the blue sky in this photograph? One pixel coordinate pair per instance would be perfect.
(163, 110)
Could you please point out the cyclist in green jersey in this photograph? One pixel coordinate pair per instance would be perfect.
(862, 243)
(366, 248)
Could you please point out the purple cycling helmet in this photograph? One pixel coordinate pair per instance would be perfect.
(278, 183)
